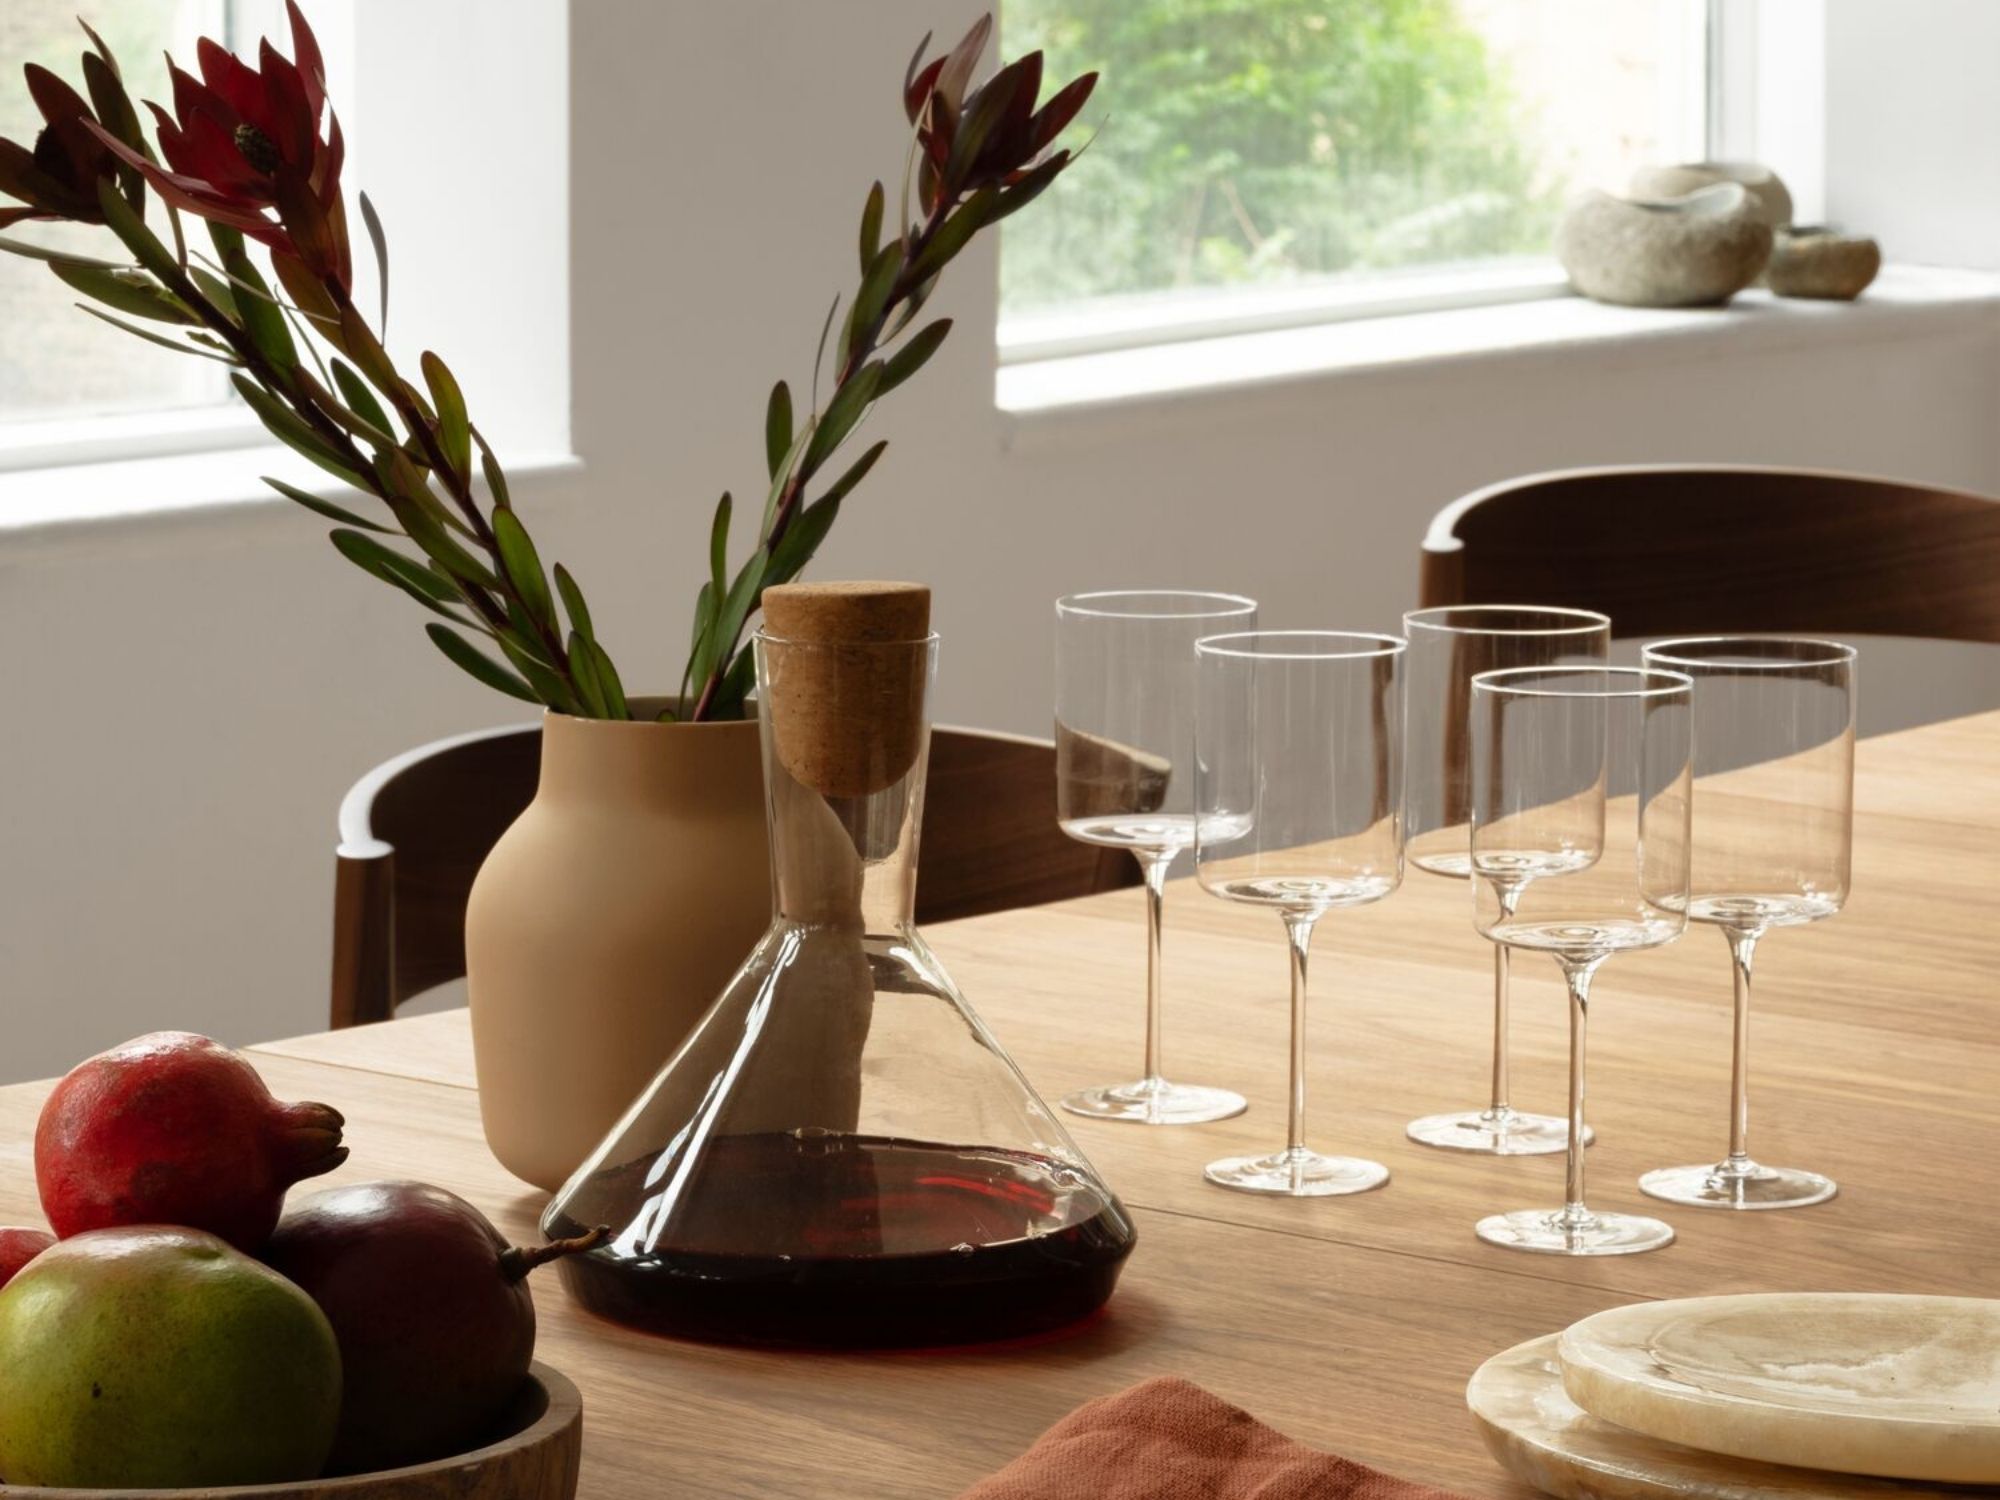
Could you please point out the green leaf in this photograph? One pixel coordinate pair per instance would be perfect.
(778, 426)
(289, 429)
(743, 597)
(126, 223)
(1029, 188)
(113, 107)
(871, 226)
(59, 257)
(952, 235)
(572, 601)
(496, 478)
(547, 684)
(583, 672)
(355, 392)
(407, 574)
(718, 548)
(784, 471)
(165, 343)
(608, 681)
(469, 657)
(454, 428)
(873, 296)
(381, 243)
(801, 540)
(819, 354)
(131, 292)
(523, 567)
(912, 357)
(848, 406)
(324, 507)
(216, 290)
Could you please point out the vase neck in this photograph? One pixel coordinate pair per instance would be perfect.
(642, 765)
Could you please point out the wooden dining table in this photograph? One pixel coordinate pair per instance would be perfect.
(1350, 1323)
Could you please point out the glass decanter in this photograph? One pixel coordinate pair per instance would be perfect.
(841, 1154)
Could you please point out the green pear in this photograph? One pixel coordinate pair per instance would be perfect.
(158, 1357)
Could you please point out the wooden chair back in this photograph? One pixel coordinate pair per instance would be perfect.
(1681, 549)
(414, 831)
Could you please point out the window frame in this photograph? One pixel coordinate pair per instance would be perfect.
(1734, 67)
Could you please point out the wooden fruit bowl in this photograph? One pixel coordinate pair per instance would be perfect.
(536, 1461)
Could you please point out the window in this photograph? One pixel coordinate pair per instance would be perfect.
(56, 364)
(1276, 161)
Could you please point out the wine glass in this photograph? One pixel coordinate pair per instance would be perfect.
(1124, 732)
(1580, 782)
(1448, 648)
(1773, 835)
(1299, 810)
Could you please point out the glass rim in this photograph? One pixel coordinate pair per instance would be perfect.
(765, 635)
(1589, 620)
(1668, 683)
(1382, 645)
(1835, 653)
(1084, 604)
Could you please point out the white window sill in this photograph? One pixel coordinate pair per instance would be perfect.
(1905, 301)
(136, 500)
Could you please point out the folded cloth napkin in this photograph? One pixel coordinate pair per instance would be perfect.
(1169, 1439)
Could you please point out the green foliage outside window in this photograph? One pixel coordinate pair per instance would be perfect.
(1265, 140)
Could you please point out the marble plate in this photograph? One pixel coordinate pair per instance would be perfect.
(1900, 1387)
(1545, 1439)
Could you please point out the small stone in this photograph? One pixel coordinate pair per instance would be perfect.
(1767, 188)
(1694, 251)
(1824, 263)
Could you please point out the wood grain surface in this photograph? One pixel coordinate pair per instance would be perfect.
(1350, 1323)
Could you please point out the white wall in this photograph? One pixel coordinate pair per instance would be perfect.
(184, 705)
(1915, 158)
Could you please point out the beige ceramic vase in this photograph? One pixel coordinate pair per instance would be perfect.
(605, 921)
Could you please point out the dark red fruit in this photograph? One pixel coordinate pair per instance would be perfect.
(173, 1128)
(18, 1247)
(431, 1308)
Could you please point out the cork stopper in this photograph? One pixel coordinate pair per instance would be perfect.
(846, 701)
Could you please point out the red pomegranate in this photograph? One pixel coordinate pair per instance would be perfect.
(18, 1247)
(173, 1128)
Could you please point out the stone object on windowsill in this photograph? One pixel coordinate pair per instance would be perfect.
(1694, 251)
(1767, 189)
(1816, 261)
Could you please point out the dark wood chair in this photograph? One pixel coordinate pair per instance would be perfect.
(1684, 549)
(414, 831)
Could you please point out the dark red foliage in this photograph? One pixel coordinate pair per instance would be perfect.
(58, 178)
(242, 144)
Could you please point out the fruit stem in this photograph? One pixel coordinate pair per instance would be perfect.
(518, 1260)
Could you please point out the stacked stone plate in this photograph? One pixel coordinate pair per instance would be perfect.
(1842, 1396)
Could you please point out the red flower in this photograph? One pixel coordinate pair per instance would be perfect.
(244, 140)
(58, 179)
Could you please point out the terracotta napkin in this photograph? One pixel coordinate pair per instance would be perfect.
(1171, 1440)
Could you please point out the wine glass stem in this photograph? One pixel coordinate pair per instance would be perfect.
(1742, 948)
(1299, 928)
(1510, 898)
(1154, 864)
(1578, 974)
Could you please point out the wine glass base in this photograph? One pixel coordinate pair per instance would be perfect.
(1745, 1186)
(1297, 1173)
(1496, 1132)
(1545, 1232)
(1154, 1101)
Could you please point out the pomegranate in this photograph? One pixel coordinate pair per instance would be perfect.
(172, 1128)
(18, 1247)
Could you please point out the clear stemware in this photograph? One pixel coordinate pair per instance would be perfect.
(1124, 736)
(1297, 764)
(1580, 786)
(1449, 646)
(1773, 838)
